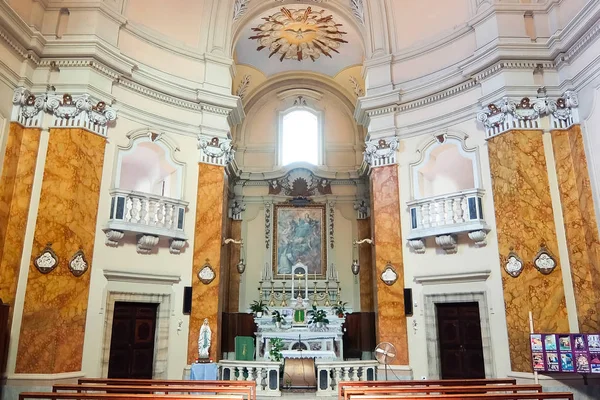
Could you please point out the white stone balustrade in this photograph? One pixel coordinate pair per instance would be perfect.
(148, 216)
(443, 217)
(330, 373)
(264, 373)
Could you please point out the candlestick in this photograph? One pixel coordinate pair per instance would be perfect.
(283, 302)
(314, 303)
(272, 297)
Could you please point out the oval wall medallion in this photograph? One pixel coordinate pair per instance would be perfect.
(514, 264)
(206, 273)
(78, 264)
(389, 275)
(544, 261)
(47, 260)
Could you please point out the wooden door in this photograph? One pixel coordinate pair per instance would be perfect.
(459, 336)
(132, 341)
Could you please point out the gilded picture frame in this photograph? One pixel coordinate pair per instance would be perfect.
(299, 235)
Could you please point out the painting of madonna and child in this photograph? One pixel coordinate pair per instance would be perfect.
(299, 237)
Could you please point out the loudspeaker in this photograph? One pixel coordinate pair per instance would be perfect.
(187, 300)
(408, 302)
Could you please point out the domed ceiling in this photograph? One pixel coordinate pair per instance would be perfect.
(299, 38)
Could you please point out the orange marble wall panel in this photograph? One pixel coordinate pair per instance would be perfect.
(206, 299)
(389, 300)
(524, 219)
(580, 225)
(365, 260)
(234, 275)
(54, 313)
(15, 195)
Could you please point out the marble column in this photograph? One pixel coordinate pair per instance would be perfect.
(55, 308)
(525, 220)
(365, 259)
(207, 299)
(16, 185)
(391, 323)
(580, 224)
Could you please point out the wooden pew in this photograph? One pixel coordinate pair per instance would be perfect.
(167, 382)
(151, 389)
(120, 396)
(478, 396)
(431, 382)
(353, 392)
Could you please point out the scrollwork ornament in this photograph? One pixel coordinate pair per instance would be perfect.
(216, 148)
(78, 264)
(389, 276)
(206, 273)
(101, 114)
(514, 264)
(47, 260)
(544, 261)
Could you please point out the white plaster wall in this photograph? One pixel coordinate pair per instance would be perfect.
(125, 258)
(468, 259)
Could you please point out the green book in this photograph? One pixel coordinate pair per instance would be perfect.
(244, 348)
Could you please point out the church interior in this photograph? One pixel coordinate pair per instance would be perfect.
(300, 196)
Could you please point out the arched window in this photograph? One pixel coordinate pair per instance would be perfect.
(299, 137)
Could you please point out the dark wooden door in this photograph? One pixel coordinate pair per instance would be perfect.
(132, 341)
(461, 350)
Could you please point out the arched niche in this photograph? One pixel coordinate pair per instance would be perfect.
(148, 165)
(445, 165)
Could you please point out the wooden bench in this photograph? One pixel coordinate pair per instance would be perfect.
(478, 396)
(352, 392)
(167, 382)
(120, 396)
(151, 389)
(431, 382)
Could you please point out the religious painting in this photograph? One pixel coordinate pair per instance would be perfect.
(299, 237)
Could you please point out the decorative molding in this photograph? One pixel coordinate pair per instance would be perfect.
(479, 237)
(507, 114)
(176, 245)
(544, 261)
(514, 264)
(358, 9)
(244, 85)
(239, 8)
(79, 111)
(356, 88)
(268, 223)
(236, 209)
(389, 276)
(445, 278)
(300, 182)
(140, 277)
(381, 152)
(418, 245)
(113, 237)
(47, 260)
(331, 212)
(299, 34)
(215, 151)
(206, 273)
(145, 243)
(28, 109)
(580, 45)
(363, 211)
(447, 243)
(78, 264)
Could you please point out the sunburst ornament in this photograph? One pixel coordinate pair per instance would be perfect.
(299, 34)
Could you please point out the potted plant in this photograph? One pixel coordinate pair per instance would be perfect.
(278, 319)
(275, 350)
(318, 317)
(340, 309)
(258, 308)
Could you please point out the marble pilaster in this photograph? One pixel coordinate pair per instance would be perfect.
(525, 220)
(55, 307)
(580, 224)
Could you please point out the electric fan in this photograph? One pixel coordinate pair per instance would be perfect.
(385, 352)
